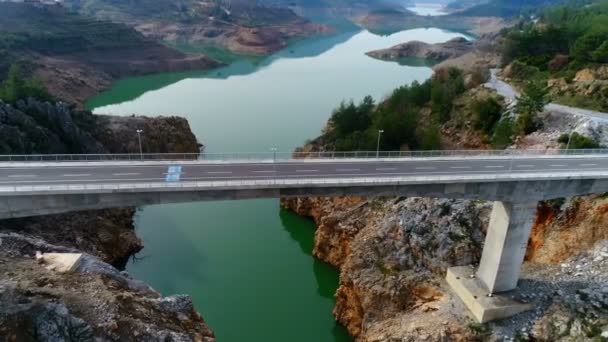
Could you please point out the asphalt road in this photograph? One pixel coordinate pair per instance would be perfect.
(146, 172)
(510, 94)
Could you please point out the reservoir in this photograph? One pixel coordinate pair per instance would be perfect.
(248, 264)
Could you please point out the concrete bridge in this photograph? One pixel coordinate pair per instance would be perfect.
(514, 180)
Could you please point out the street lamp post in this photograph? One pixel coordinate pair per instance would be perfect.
(378, 144)
(274, 164)
(141, 150)
(274, 154)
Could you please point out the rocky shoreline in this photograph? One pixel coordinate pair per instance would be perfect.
(435, 52)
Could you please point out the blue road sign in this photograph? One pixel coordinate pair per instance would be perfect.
(175, 169)
(174, 173)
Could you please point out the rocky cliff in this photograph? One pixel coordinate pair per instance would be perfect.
(92, 303)
(393, 254)
(97, 301)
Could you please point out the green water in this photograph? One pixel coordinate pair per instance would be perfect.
(248, 264)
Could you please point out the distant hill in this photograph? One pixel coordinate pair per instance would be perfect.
(241, 26)
(239, 12)
(506, 8)
(77, 56)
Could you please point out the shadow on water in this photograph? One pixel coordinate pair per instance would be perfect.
(166, 256)
(301, 230)
(131, 88)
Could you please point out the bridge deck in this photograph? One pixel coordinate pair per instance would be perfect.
(297, 171)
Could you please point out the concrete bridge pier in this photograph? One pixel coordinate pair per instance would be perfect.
(505, 246)
(501, 260)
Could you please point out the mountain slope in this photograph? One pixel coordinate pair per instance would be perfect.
(240, 26)
(77, 56)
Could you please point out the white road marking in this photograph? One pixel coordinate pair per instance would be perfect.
(588, 165)
(425, 168)
(307, 170)
(265, 171)
(460, 167)
(127, 174)
(347, 170)
(386, 169)
(21, 176)
(494, 167)
(526, 166)
(557, 165)
(77, 175)
(219, 172)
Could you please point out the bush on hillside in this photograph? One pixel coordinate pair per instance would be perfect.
(487, 113)
(532, 101)
(503, 134)
(577, 141)
(14, 87)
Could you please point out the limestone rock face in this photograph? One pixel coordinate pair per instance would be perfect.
(94, 302)
(392, 253)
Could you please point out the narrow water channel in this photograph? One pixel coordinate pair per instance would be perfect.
(248, 264)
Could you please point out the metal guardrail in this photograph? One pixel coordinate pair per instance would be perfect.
(293, 155)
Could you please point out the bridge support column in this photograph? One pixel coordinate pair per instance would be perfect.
(500, 266)
(505, 246)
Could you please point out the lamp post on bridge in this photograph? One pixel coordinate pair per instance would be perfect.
(141, 150)
(380, 131)
(274, 164)
(274, 154)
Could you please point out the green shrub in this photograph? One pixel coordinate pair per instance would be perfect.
(487, 113)
(577, 141)
(532, 101)
(503, 134)
(14, 87)
(431, 139)
(349, 118)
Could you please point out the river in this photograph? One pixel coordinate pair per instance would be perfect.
(248, 264)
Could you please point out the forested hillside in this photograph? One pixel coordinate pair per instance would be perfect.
(568, 47)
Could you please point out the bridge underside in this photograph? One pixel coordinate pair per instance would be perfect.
(43, 203)
(506, 240)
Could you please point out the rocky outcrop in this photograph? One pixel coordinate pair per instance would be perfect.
(108, 234)
(452, 48)
(95, 302)
(98, 302)
(392, 254)
(34, 127)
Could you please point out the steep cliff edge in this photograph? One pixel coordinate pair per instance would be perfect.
(35, 127)
(92, 302)
(97, 301)
(393, 254)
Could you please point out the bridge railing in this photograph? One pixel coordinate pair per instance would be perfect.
(283, 156)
